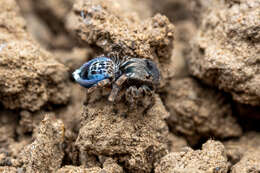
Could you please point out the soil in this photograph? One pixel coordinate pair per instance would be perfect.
(203, 117)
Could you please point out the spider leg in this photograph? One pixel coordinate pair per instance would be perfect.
(103, 82)
(132, 94)
(98, 85)
(146, 90)
(121, 80)
(113, 93)
(116, 87)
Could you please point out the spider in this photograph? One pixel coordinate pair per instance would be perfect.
(141, 75)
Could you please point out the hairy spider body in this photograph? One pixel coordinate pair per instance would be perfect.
(141, 70)
(139, 75)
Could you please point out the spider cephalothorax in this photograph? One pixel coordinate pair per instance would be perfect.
(138, 75)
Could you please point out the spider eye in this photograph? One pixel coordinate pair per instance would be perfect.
(153, 70)
(150, 65)
(148, 76)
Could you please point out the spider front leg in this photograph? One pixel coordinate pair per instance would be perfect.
(134, 94)
(116, 87)
(98, 85)
(146, 90)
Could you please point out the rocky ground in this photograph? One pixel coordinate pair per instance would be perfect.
(203, 118)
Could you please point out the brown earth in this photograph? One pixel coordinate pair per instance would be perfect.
(204, 117)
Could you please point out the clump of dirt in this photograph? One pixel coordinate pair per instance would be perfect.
(136, 138)
(244, 153)
(250, 162)
(30, 77)
(198, 111)
(225, 52)
(102, 23)
(12, 24)
(45, 154)
(210, 159)
(237, 148)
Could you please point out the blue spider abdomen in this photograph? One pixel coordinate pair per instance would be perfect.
(94, 71)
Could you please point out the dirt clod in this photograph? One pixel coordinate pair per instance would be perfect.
(198, 111)
(30, 77)
(250, 162)
(226, 50)
(210, 159)
(45, 153)
(136, 138)
(236, 149)
(150, 38)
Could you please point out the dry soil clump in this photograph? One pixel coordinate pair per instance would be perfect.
(210, 159)
(30, 77)
(250, 162)
(137, 138)
(226, 50)
(45, 154)
(237, 148)
(198, 111)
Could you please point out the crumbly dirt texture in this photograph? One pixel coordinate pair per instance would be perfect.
(250, 162)
(226, 50)
(244, 153)
(137, 139)
(148, 39)
(210, 159)
(45, 153)
(198, 111)
(202, 118)
(236, 149)
(30, 77)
